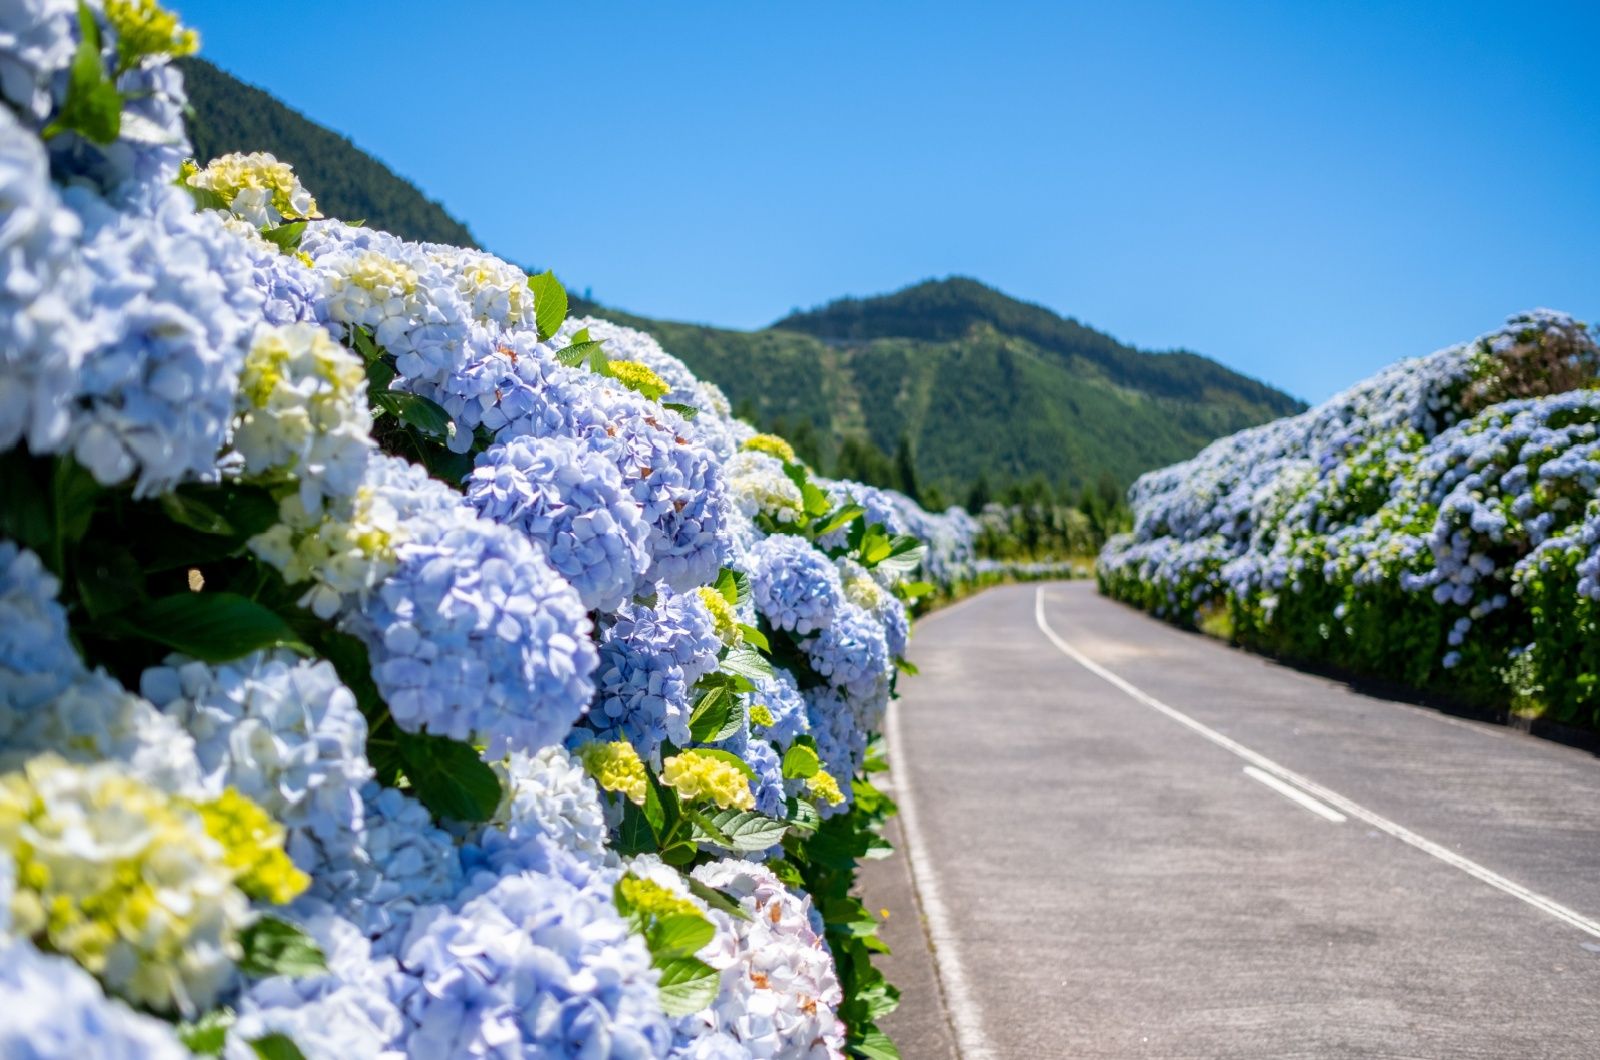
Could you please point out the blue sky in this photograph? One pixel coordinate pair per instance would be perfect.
(1304, 191)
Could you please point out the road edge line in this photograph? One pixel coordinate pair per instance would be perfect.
(960, 1008)
(1555, 909)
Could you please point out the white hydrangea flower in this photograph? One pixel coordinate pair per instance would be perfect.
(758, 485)
(495, 291)
(257, 188)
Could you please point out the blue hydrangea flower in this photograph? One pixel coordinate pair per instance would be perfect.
(571, 503)
(282, 730)
(56, 1011)
(851, 652)
(650, 657)
(472, 635)
(841, 740)
(532, 966)
(795, 587)
(551, 821)
(37, 659)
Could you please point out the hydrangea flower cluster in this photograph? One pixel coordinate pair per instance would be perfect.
(1427, 524)
(403, 707)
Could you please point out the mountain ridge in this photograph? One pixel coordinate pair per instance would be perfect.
(971, 389)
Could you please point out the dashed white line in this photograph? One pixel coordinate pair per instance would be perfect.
(1294, 794)
(1332, 798)
(961, 1006)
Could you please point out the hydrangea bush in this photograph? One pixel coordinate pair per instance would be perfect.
(390, 666)
(1437, 524)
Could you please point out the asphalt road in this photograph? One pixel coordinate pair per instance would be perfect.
(1102, 877)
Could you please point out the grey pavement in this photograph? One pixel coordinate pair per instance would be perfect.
(1110, 883)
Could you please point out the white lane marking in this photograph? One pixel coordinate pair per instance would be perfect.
(960, 1006)
(1294, 794)
(1332, 798)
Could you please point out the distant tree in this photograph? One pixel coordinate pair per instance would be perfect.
(979, 494)
(862, 461)
(905, 469)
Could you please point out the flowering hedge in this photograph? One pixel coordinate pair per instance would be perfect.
(390, 666)
(1438, 524)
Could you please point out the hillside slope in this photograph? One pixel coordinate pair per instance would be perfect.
(981, 385)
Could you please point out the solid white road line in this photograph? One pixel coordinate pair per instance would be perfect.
(1332, 798)
(960, 1005)
(1294, 794)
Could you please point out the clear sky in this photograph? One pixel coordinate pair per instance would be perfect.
(1306, 191)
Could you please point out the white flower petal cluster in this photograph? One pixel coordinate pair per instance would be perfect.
(257, 188)
(54, 1010)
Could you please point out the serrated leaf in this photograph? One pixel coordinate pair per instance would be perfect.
(705, 829)
(575, 354)
(711, 713)
(687, 985)
(210, 627)
(715, 898)
(800, 762)
(727, 586)
(277, 947)
(426, 416)
(449, 777)
(277, 1046)
(840, 517)
(549, 303)
(755, 638)
(285, 237)
(634, 835)
(875, 1045)
(747, 662)
(207, 1035)
(688, 412)
(801, 814)
(680, 935)
(747, 830)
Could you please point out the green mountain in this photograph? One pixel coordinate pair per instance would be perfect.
(960, 382)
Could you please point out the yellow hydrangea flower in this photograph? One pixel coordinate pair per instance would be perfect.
(145, 28)
(253, 845)
(722, 614)
(638, 377)
(696, 776)
(615, 766)
(822, 786)
(760, 715)
(772, 445)
(649, 898)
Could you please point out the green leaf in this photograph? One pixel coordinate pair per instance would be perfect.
(705, 829)
(574, 355)
(906, 666)
(285, 237)
(841, 516)
(277, 1046)
(801, 814)
(25, 515)
(276, 947)
(361, 339)
(207, 1035)
(715, 899)
(747, 830)
(800, 761)
(210, 627)
(93, 106)
(875, 1045)
(746, 662)
(906, 554)
(426, 416)
(688, 412)
(73, 492)
(755, 638)
(712, 714)
(687, 985)
(549, 303)
(730, 758)
(915, 590)
(449, 777)
(727, 586)
(197, 513)
(634, 836)
(204, 198)
(680, 935)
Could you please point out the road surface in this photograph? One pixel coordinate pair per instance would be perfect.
(1132, 841)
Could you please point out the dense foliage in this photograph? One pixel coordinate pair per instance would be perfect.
(928, 369)
(389, 665)
(1438, 524)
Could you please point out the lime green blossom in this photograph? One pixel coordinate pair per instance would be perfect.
(722, 615)
(760, 715)
(615, 766)
(647, 898)
(638, 377)
(696, 776)
(772, 445)
(256, 187)
(253, 845)
(122, 878)
(144, 28)
(860, 587)
(822, 786)
(337, 554)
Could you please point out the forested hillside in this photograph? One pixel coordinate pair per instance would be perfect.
(974, 391)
